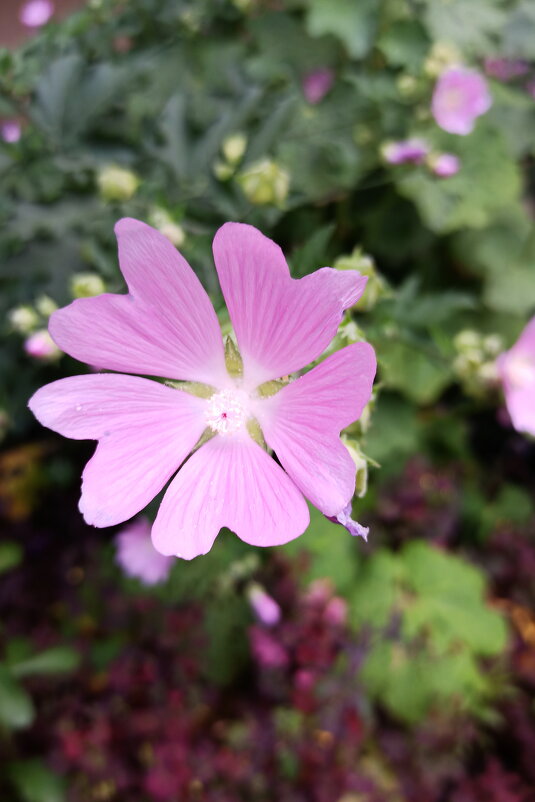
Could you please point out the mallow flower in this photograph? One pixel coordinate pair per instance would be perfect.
(137, 556)
(222, 406)
(460, 96)
(516, 369)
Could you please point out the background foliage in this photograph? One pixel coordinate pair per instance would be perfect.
(423, 649)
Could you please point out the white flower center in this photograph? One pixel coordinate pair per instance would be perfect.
(521, 370)
(227, 411)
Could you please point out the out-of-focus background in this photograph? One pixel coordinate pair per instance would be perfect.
(389, 136)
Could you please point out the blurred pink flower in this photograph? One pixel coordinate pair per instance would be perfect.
(264, 607)
(516, 369)
(460, 96)
(137, 556)
(316, 84)
(445, 165)
(166, 326)
(266, 649)
(504, 69)
(406, 150)
(36, 13)
(40, 345)
(10, 131)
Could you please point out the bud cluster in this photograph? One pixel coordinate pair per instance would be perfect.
(475, 361)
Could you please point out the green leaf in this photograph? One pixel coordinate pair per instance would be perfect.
(374, 594)
(519, 33)
(16, 706)
(10, 555)
(474, 26)
(58, 660)
(405, 44)
(35, 782)
(418, 372)
(353, 23)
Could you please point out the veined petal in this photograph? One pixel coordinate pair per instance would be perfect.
(166, 325)
(145, 431)
(229, 481)
(281, 323)
(303, 421)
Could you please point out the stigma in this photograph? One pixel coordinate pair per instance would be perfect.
(227, 412)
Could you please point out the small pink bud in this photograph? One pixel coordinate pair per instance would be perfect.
(36, 13)
(40, 345)
(264, 607)
(406, 150)
(316, 84)
(445, 165)
(10, 131)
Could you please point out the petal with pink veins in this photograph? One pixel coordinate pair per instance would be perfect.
(145, 431)
(281, 323)
(303, 421)
(229, 481)
(165, 326)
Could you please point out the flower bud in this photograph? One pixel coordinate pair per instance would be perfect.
(41, 346)
(444, 165)
(23, 319)
(234, 147)
(162, 220)
(86, 285)
(45, 306)
(265, 182)
(441, 56)
(117, 183)
(376, 286)
(264, 607)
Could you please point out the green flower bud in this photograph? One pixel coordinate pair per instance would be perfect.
(441, 56)
(116, 183)
(223, 171)
(162, 220)
(45, 306)
(86, 285)
(234, 147)
(407, 85)
(265, 182)
(467, 340)
(376, 286)
(23, 319)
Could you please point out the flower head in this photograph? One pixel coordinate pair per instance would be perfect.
(166, 327)
(137, 556)
(516, 369)
(406, 150)
(316, 84)
(10, 131)
(444, 165)
(36, 13)
(460, 96)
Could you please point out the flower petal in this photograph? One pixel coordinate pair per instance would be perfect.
(145, 430)
(303, 421)
(281, 323)
(166, 325)
(230, 482)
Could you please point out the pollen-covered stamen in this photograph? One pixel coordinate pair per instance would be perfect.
(227, 411)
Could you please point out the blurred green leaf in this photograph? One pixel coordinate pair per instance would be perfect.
(11, 555)
(353, 23)
(35, 782)
(16, 706)
(474, 26)
(57, 660)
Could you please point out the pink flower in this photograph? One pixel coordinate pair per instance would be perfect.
(460, 96)
(166, 326)
(266, 649)
(445, 165)
(10, 131)
(316, 84)
(36, 13)
(137, 556)
(406, 150)
(504, 69)
(40, 345)
(264, 607)
(516, 369)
